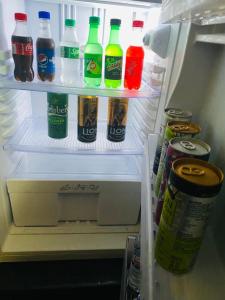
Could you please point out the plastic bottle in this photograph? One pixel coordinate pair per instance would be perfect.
(134, 274)
(70, 54)
(45, 49)
(134, 58)
(93, 55)
(113, 57)
(22, 49)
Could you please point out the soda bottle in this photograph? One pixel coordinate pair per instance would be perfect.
(57, 115)
(93, 55)
(69, 52)
(22, 49)
(113, 57)
(134, 59)
(134, 274)
(45, 49)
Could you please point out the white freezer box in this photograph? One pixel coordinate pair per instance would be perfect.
(46, 189)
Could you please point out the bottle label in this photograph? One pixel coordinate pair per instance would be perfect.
(46, 60)
(69, 52)
(22, 48)
(113, 67)
(57, 120)
(92, 65)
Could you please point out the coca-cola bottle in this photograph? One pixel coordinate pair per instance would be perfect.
(22, 49)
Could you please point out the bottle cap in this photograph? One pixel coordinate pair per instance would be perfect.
(115, 22)
(20, 16)
(138, 23)
(70, 22)
(94, 20)
(44, 15)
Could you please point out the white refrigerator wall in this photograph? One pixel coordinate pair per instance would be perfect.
(197, 84)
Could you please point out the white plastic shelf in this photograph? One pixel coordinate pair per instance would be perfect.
(78, 89)
(211, 38)
(32, 136)
(195, 10)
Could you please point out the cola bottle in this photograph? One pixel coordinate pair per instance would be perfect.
(45, 49)
(22, 49)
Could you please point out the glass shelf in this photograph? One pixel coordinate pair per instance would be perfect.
(79, 89)
(32, 136)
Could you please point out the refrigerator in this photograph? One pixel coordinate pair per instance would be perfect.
(62, 199)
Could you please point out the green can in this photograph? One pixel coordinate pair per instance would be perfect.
(57, 115)
(188, 201)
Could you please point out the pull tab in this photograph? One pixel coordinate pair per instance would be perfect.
(188, 145)
(175, 112)
(180, 127)
(192, 171)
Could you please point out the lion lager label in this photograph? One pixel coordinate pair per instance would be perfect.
(117, 119)
(87, 118)
(193, 186)
(57, 115)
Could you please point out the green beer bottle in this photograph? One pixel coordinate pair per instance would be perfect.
(113, 57)
(57, 115)
(93, 55)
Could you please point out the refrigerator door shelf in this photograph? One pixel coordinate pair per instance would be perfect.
(32, 136)
(201, 283)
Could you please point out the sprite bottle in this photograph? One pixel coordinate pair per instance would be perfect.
(93, 55)
(113, 57)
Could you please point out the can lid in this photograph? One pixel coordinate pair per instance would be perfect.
(184, 127)
(115, 22)
(20, 16)
(94, 20)
(177, 112)
(70, 22)
(44, 15)
(190, 146)
(138, 23)
(196, 177)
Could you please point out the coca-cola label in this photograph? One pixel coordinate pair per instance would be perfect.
(22, 48)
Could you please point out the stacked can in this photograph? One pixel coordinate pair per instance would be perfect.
(170, 114)
(193, 185)
(179, 148)
(173, 129)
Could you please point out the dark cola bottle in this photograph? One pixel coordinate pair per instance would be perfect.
(45, 49)
(22, 49)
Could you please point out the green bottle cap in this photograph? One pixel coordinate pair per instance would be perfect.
(94, 20)
(70, 22)
(116, 22)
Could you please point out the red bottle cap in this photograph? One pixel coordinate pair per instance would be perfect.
(138, 23)
(20, 16)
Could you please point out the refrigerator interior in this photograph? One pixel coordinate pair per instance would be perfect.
(28, 154)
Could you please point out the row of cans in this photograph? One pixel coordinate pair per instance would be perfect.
(87, 117)
(185, 188)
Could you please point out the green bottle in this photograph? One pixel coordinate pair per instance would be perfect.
(93, 55)
(57, 115)
(113, 57)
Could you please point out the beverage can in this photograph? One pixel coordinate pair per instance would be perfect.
(117, 119)
(87, 118)
(173, 129)
(57, 115)
(170, 114)
(189, 198)
(179, 148)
